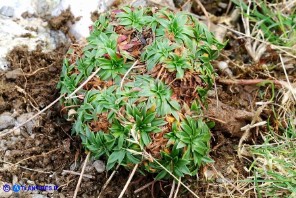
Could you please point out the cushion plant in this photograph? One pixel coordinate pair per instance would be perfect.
(149, 93)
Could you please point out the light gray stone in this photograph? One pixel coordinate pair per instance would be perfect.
(6, 121)
(99, 166)
(42, 7)
(29, 125)
(38, 196)
(7, 11)
(14, 74)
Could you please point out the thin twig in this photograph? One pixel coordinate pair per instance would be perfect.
(81, 174)
(262, 41)
(128, 181)
(143, 187)
(205, 12)
(30, 169)
(247, 81)
(228, 182)
(169, 172)
(178, 187)
(31, 118)
(172, 189)
(84, 83)
(160, 71)
(128, 71)
(288, 81)
(42, 155)
(37, 70)
(75, 173)
(216, 93)
(108, 181)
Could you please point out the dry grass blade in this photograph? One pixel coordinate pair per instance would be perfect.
(178, 187)
(280, 48)
(108, 181)
(205, 12)
(75, 173)
(81, 175)
(128, 71)
(148, 156)
(84, 83)
(128, 181)
(291, 89)
(172, 189)
(247, 129)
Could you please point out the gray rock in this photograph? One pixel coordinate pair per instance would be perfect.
(38, 196)
(6, 121)
(7, 11)
(42, 7)
(14, 74)
(4, 64)
(99, 166)
(222, 180)
(139, 3)
(29, 125)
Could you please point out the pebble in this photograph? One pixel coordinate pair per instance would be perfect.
(38, 196)
(14, 74)
(139, 3)
(42, 7)
(6, 121)
(7, 11)
(99, 166)
(17, 132)
(222, 180)
(4, 64)
(224, 67)
(29, 125)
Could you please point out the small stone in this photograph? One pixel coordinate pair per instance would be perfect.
(222, 180)
(139, 3)
(30, 182)
(42, 7)
(4, 65)
(6, 121)
(38, 196)
(17, 132)
(99, 166)
(14, 74)
(29, 125)
(7, 11)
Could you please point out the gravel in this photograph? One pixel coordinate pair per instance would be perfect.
(6, 121)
